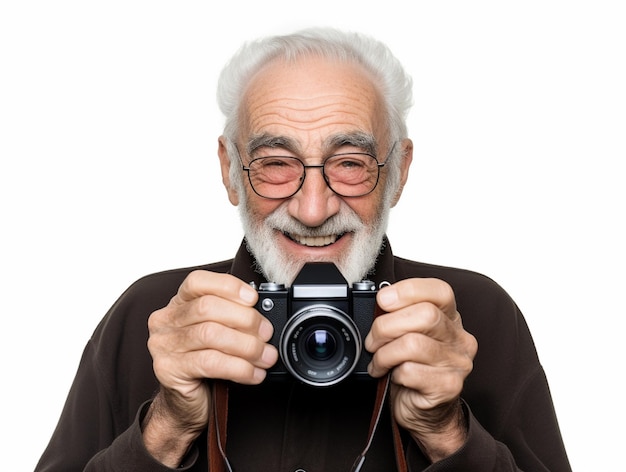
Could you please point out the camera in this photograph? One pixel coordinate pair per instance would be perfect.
(319, 325)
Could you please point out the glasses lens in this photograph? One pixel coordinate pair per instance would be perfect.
(351, 175)
(276, 177)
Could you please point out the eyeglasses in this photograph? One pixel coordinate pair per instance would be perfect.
(350, 174)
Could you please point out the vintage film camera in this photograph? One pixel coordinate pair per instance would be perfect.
(319, 325)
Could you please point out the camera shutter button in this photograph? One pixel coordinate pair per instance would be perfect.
(364, 286)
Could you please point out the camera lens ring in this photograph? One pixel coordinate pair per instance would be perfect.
(327, 368)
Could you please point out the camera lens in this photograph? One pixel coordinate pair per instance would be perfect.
(321, 345)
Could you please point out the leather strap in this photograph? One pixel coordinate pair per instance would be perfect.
(398, 446)
(218, 462)
(382, 391)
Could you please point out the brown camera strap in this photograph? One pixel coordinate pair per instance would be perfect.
(218, 462)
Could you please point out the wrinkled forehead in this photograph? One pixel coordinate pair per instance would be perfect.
(311, 99)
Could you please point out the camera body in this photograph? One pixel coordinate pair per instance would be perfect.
(319, 325)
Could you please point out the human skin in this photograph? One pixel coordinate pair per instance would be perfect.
(210, 328)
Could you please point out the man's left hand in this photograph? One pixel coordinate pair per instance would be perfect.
(422, 341)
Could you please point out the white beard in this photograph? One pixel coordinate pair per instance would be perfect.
(282, 268)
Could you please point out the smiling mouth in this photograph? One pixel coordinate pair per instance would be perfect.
(316, 241)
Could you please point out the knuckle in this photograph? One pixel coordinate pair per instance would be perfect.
(159, 364)
(216, 364)
(250, 348)
(193, 280)
(211, 361)
(407, 370)
(151, 343)
(467, 367)
(210, 334)
(379, 326)
(430, 314)
(473, 347)
(155, 320)
(204, 304)
(249, 320)
(224, 339)
(162, 367)
(470, 344)
(458, 385)
(463, 367)
(413, 343)
(380, 364)
(152, 322)
(452, 385)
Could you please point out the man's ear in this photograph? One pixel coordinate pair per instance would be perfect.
(225, 167)
(405, 163)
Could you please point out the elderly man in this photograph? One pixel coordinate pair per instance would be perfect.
(314, 153)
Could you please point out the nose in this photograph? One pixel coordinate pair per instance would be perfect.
(315, 202)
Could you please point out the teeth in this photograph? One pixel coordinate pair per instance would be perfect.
(318, 241)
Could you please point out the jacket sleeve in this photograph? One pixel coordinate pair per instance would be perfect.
(531, 431)
(100, 422)
(127, 453)
(480, 452)
(86, 424)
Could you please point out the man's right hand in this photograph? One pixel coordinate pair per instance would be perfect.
(209, 330)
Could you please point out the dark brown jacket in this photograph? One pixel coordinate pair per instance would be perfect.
(283, 426)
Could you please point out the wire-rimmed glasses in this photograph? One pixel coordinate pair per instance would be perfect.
(348, 174)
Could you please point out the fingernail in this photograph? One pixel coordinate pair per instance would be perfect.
(387, 296)
(259, 375)
(266, 329)
(367, 343)
(270, 355)
(247, 294)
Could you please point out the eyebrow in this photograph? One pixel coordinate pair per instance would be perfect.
(270, 141)
(365, 141)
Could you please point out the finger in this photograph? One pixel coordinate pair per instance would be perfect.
(202, 282)
(219, 310)
(412, 347)
(210, 364)
(423, 318)
(411, 291)
(215, 336)
(415, 348)
(218, 365)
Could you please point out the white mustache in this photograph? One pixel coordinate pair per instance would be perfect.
(346, 221)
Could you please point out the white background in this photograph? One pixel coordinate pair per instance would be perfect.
(108, 133)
